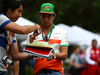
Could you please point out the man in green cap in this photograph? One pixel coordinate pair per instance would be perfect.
(55, 36)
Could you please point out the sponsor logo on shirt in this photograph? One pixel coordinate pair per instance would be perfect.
(66, 41)
(97, 52)
(56, 33)
(56, 37)
(92, 51)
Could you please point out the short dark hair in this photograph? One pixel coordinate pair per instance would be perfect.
(13, 4)
(75, 47)
(94, 40)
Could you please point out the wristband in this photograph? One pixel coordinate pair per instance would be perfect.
(37, 28)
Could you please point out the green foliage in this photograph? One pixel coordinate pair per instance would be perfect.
(29, 71)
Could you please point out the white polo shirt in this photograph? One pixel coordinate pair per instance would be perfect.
(58, 36)
(58, 39)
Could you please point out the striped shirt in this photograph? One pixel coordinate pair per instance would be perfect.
(4, 20)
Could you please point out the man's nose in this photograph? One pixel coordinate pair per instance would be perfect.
(46, 18)
(20, 15)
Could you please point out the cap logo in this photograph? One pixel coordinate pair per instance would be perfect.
(47, 8)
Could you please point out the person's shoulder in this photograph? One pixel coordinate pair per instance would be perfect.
(89, 48)
(72, 55)
(3, 17)
(59, 29)
(98, 48)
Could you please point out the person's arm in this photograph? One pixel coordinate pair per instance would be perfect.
(71, 62)
(16, 55)
(7, 24)
(31, 37)
(13, 27)
(63, 53)
(16, 67)
(88, 60)
(64, 47)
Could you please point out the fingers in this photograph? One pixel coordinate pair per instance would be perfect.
(32, 38)
(51, 57)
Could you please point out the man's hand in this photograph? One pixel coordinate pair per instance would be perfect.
(51, 56)
(32, 36)
(79, 66)
(30, 56)
(96, 63)
(36, 33)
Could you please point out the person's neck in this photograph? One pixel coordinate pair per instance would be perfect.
(47, 29)
(76, 53)
(7, 14)
(94, 47)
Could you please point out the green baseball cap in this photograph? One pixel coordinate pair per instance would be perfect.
(47, 8)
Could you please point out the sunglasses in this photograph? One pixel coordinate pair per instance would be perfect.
(46, 38)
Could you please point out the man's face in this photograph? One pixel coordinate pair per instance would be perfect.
(47, 19)
(94, 44)
(14, 15)
(77, 51)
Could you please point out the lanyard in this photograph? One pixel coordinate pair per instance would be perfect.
(46, 38)
(8, 42)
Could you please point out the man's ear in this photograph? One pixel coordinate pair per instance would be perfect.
(54, 16)
(9, 10)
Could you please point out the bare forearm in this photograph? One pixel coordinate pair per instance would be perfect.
(61, 56)
(72, 63)
(63, 53)
(13, 27)
(20, 56)
(29, 28)
(16, 68)
(16, 55)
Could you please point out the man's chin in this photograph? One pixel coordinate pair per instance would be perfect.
(15, 20)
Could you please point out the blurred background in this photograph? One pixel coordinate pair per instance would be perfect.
(80, 18)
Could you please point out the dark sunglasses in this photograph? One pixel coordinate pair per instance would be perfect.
(46, 38)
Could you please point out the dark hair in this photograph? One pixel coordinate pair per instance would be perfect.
(94, 40)
(13, 4)
(75, 47)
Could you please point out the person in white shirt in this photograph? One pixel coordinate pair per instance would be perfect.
(93, 59)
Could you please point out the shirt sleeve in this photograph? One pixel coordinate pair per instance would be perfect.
(64, 39)
(88, 60)
(4, 21)
(72, 57)
(14, 39)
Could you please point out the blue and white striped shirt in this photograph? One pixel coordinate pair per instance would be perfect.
(4, 20)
